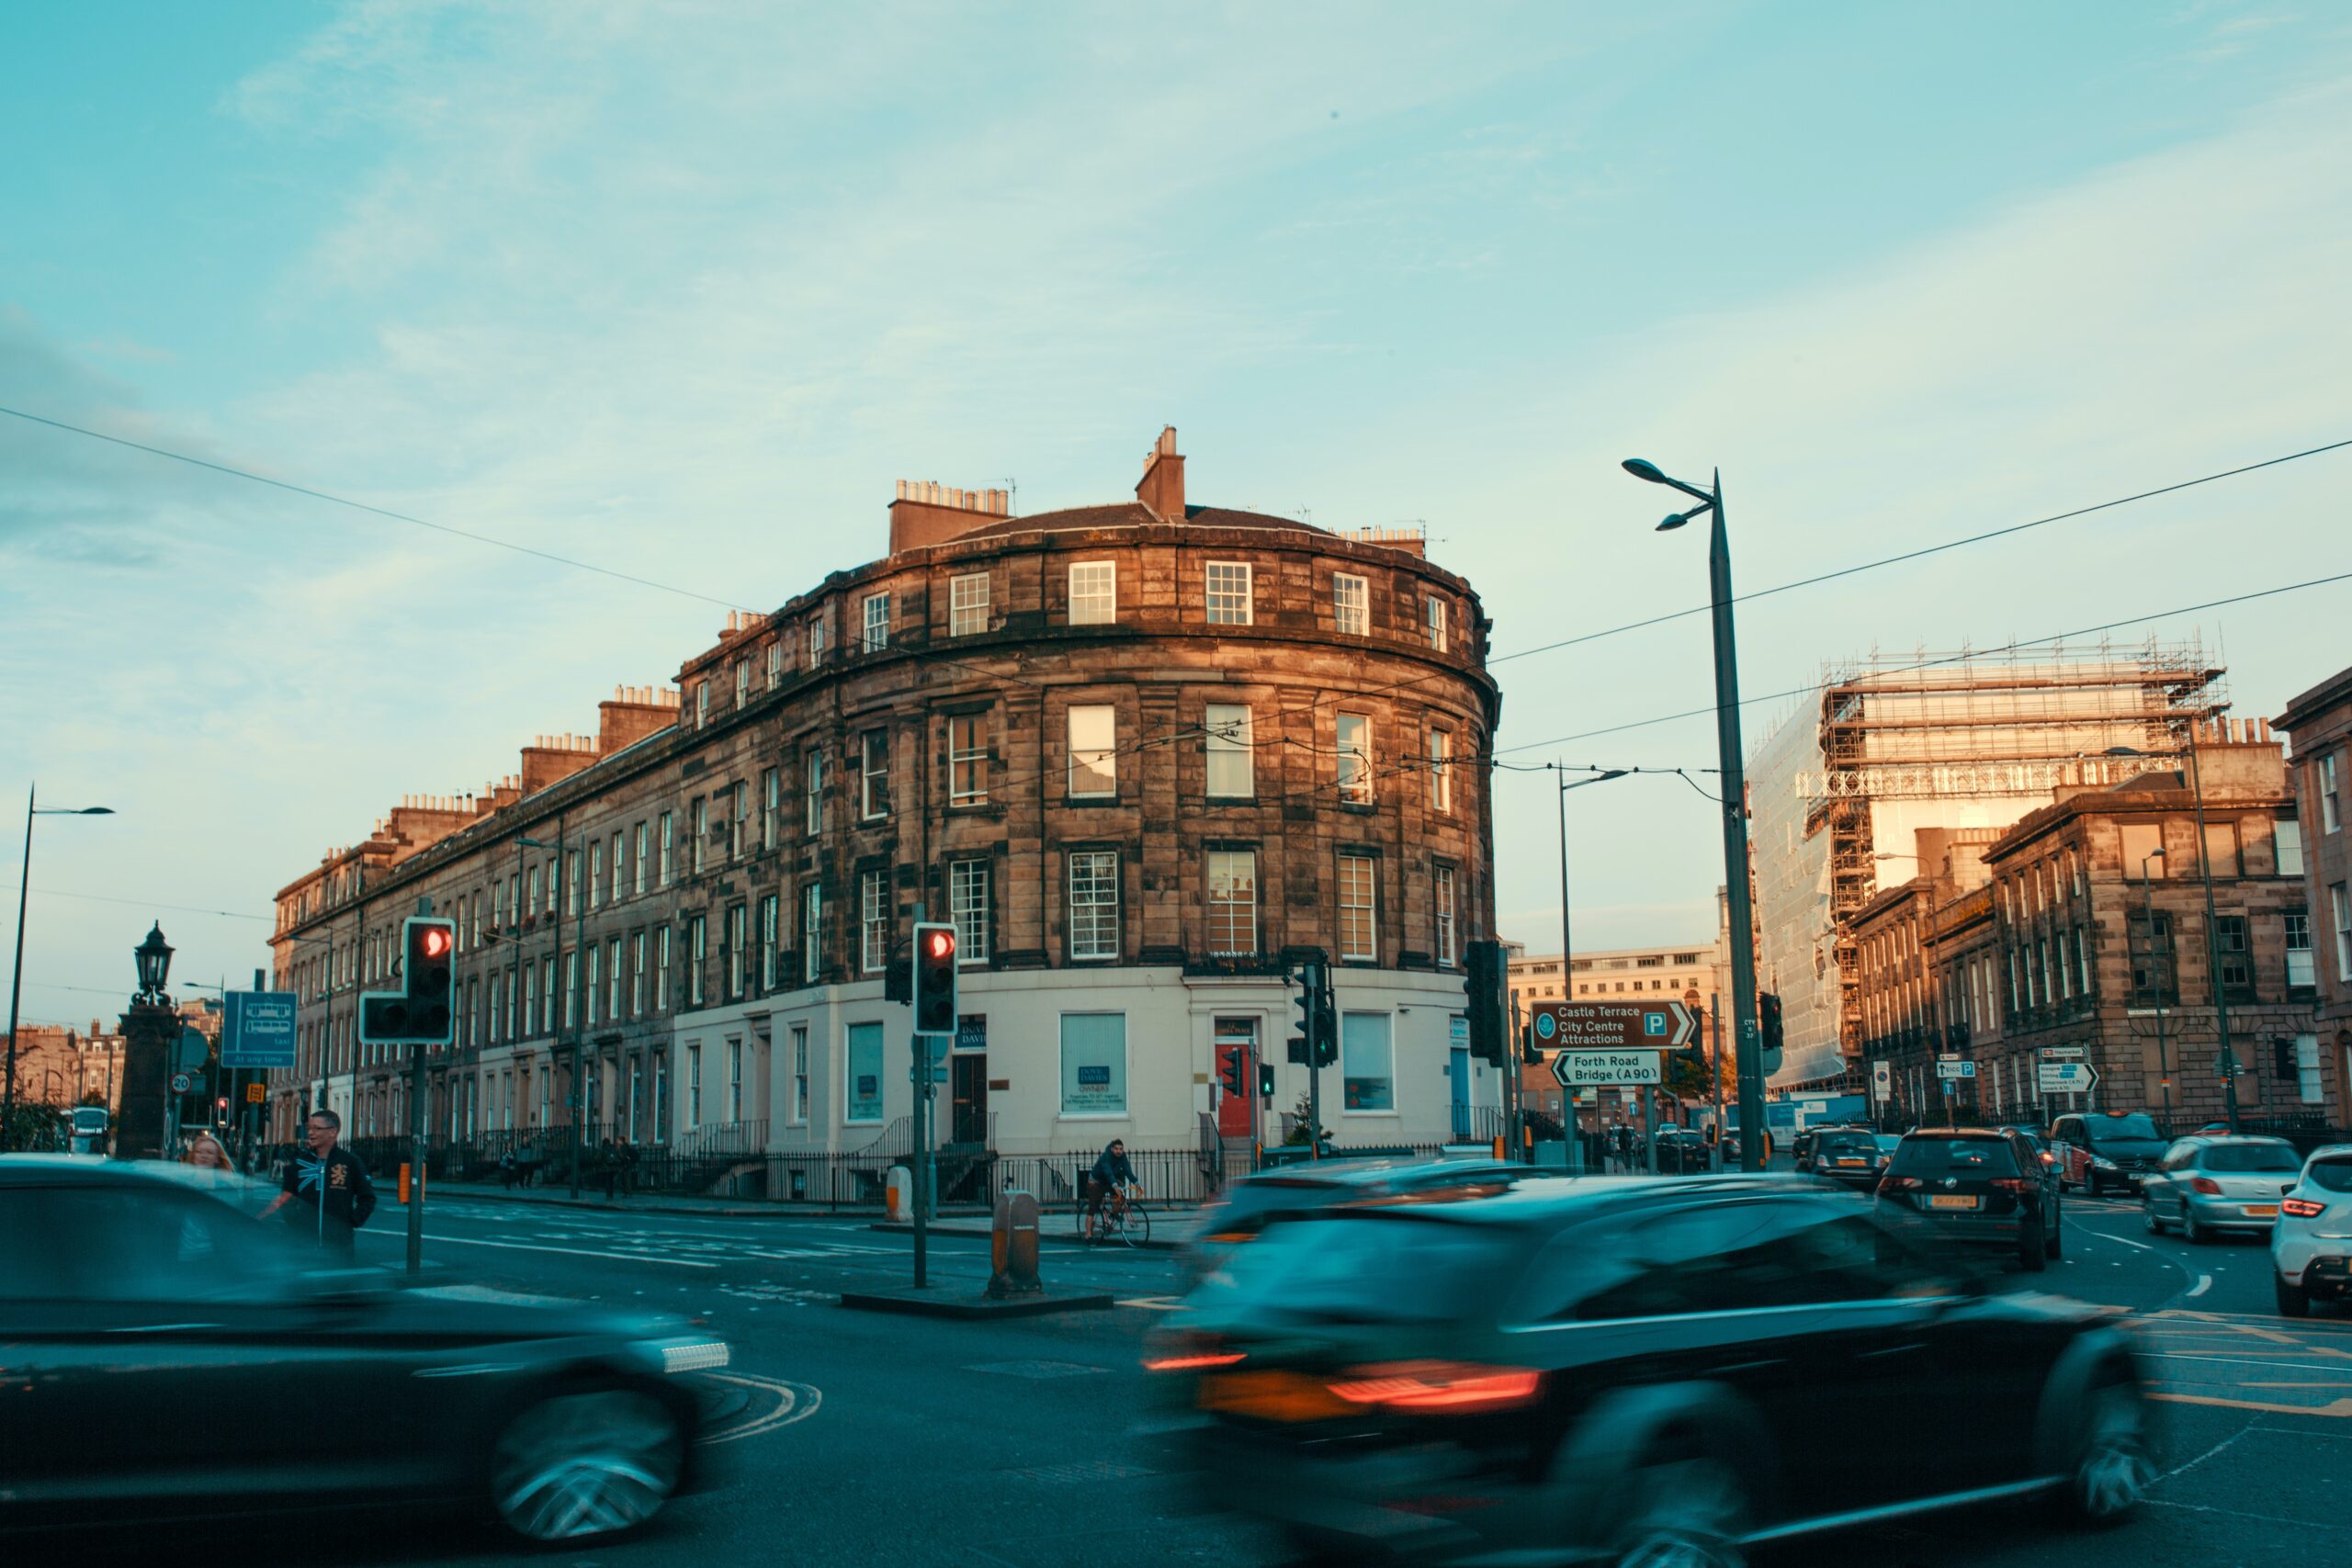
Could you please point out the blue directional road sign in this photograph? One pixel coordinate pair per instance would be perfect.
(258, 1031)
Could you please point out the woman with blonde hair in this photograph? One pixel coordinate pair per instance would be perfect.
(207, 1151)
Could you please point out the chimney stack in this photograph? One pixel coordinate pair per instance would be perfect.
(1161, 489)
(927, 512)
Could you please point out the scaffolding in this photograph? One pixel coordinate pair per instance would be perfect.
(1970, 740)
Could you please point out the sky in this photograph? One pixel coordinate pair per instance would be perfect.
(681, 290)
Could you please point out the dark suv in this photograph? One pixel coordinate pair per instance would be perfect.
(1633, 1370)
(1849, 1157)
(1973, 1186)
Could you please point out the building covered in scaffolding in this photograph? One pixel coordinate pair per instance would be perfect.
(1892, 747)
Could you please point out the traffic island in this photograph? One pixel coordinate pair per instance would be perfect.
(936, 1303)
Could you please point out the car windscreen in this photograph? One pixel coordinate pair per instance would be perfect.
(2251, 1156)
(1954, 1156)
(1836, 1144)
(2125, 1134)
(1382, 1267)
(2330, 1175)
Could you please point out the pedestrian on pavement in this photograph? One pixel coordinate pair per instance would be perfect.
(628, 1170)
(506, 1170)
(329, 1188)
(610, 1167)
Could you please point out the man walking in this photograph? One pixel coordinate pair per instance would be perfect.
(329, 1188)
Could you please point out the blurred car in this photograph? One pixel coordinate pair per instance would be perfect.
(1633, 1370)
(2096, 1151)
(1973, 1187)
(1887, 1143)
(1683, 1151)
(2311, 1246)
(168, 1354)
(2032, 1135)
(2207, 1185)
(1249, 1205)
(1849, 1157)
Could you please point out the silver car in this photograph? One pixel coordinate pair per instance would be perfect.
(2207, 1185)
(2311, 1249)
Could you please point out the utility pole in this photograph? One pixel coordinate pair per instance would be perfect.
(2229, 1061)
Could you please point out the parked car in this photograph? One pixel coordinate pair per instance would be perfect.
(2096, 1151)
(1848, 1157)
(1683, 1151)
(1634, 1371)
(1251, 1205)
(1973, 1187)
(168, 1353)
(2311, 1246)
(2206, 1185)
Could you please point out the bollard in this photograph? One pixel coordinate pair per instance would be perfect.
(897, 1195)
(1013, 1246)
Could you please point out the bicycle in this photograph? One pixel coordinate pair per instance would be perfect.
(1123, 1219)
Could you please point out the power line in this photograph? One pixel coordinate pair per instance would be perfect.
(151, 904)
(1931, 663)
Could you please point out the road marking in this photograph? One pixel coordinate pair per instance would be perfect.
(1154, 1303)
(2230, 1360)
(573, 1251)
(2233, 1513)
(2200, 1458)
(2340, 1409)
(2204, 1283)
(794, 1402)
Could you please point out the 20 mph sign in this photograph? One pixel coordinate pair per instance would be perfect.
(1660, 1025)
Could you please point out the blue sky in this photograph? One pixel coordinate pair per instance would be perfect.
(683, 289)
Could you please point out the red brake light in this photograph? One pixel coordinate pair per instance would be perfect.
(2301, 1208)
(1898, 1184)
(1454, 1388)
(2016, 1186)
(2205, 1184)
(1190, 1363)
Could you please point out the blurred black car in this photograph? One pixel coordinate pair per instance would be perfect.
(1634, 1371)
(1683, 1151)
(1249, 1205)
(164, 1354)
(1976, 1187)
(1849, 1157)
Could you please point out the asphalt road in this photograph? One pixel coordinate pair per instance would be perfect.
(878, 1440)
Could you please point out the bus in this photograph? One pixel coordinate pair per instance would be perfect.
(89, 1130)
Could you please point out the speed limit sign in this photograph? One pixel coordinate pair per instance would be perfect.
(182, 1083)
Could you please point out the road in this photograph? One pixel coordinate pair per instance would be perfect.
(879, 1440)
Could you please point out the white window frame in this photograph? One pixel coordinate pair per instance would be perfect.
(697, 953)
(1351, 604)
(968, 905)
(2309, 1086)
(1441, 759)
(694, 1084)
(776, 664)
(816, 640)
(1368, 950)
(1227, 913)
(799, 1110)
(967, 759)
(1229, 741)
(1443, 890)
(1357, 1044)
(644, 841)
(874, 622)
(1433, 618)
(967, 604)
(743, 682)
(698, 835)
(1093, 599)
(873, 775)
(812, 932)
(702, 704)
(812, 791)
(1103, 750)
(1219, 602)
(1087, 944)
(872, 921)
(868, 1036)
(2340, 907)
(2331, 799)
(1353, 759)
(668, 832)
(2287, 846)
(662, 971)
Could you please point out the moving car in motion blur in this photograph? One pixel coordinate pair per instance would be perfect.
(133, 1298)
(1248, 1206)
(1973, 1187)
(2310, 1248)
(1683, 1151)
(2097, 1152)
(2209, 1185)
(1634, 1371)
(1849, 1157)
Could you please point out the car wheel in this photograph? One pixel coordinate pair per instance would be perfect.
(2293, 1300)
(2191, 1232)
(2114, 1467)
(2148, 1213)
(1685, 1513)
(2033, 1253)
(593, 1463)
(2051, 1248)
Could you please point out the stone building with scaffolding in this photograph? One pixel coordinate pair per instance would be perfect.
(1893, 748)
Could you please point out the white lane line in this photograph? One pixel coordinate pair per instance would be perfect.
(572, 1251)
(2200, 1458)
(2204, 1283)
(794, 1402)
(2235, 1360)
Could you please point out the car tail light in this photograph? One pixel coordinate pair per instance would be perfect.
(2015, 1186)
(2206, 1185)
(1452, 1388)
(1899, 1184)
(1180, 1363)
(2301, 1208)
(1820, 1162)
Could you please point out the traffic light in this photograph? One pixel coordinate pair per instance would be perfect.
(1265, 1080)
(935, 977)
(1234, 1074)
(424, 1011)
(1308, 1003)
(1767, 1027)
(1326, 1018)
(1482, 989)
(898, 979)
(1529, 1052)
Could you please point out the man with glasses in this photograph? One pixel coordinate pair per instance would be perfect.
(334, 1185)
(1111, 1173)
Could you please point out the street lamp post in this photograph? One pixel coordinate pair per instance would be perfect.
(150, 1026)
(1746, 1043)
(1567, 949)
(2148, 909)
(16, 979)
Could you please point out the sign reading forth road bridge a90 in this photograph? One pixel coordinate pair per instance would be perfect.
(1661, 1025)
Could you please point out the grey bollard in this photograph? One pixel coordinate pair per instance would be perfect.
(1013, 1246)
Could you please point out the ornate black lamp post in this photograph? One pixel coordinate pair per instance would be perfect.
(150, 1026)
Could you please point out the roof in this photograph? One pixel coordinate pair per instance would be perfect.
(1131, 514)
(2307, 705)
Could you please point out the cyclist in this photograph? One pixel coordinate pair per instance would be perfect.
(1111, 1173)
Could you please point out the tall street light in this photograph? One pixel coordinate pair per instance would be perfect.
(1567, 948)
(1748, 1045)
(2148, 909)
(16, 979)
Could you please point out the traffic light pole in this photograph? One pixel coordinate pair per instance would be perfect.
(416, 1158)
(1746, 1044)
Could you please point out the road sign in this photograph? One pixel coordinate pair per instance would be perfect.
(182, 1083)
(2063, 1053)
(1947, 1068)
(1584, 1069)
(2065, 1078)
(257, 1029)
(1661, 1025)
(191, 1050)
(256, 1094)
(1881, 1080)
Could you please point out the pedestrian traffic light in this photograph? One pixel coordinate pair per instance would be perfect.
(1234, 1074)
(935, 977)
(1482, 989)
(1265, 1080)
(424, 1011)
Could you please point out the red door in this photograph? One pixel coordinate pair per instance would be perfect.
(1233, 1119)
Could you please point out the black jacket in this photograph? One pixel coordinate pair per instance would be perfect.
(349, 1196)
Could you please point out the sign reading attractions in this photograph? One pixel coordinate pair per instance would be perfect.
(1661, 1025)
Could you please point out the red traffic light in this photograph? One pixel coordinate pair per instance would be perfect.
(434, 942)
(942, 944)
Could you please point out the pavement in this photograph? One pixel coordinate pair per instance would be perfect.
(879, 1440)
